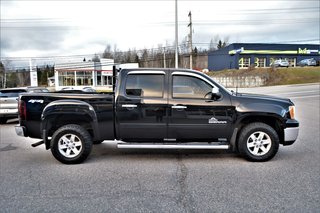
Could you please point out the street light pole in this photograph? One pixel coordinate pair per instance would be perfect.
(176, 37)
(164, 58)
(190, 38)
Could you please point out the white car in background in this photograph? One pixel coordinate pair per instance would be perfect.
(9, 101)
(280, 63)
(307, 62)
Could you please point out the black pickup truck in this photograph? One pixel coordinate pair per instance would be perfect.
(159, 108)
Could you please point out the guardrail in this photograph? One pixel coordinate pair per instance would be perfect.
(242, 81)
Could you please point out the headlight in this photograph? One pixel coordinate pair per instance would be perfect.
(292, 111)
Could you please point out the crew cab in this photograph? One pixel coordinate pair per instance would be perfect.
(159, 109)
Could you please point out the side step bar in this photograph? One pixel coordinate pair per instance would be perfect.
(171, 146)
(37, 144)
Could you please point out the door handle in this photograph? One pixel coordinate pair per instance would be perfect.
(179, 107)
(129, 105)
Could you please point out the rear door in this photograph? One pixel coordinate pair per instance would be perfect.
(141, 106)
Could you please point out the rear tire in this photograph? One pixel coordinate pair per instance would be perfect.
(71, 144)
(258, 142)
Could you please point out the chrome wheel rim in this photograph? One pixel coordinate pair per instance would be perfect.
(69, 145)
(259, 143)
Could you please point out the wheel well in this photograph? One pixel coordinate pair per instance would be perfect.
(54, 123)
(271, 121)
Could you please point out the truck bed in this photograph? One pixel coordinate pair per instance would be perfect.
(36, 104)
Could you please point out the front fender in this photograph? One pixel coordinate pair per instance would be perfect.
(62, 112)
(264, 111)
(264, 108)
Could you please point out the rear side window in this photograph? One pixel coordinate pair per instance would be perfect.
(145, 85)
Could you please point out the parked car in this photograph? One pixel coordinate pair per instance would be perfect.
(307, 62)
(9, 101)
(72, 90)
(280, 63)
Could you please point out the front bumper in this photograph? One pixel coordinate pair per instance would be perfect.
(20, 131)
(291, 132)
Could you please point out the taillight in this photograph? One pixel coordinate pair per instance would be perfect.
(22, 110)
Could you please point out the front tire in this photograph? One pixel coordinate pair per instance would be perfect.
(71, 144)
(258, 142)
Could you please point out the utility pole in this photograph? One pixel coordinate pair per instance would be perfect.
(190, 37)
(4, 85)
(176, 36)
(164, 57)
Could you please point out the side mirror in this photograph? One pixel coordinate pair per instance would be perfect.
(215, 94)
(215, 90)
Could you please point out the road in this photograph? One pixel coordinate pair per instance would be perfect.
(114, 180)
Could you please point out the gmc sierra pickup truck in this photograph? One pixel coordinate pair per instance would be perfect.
(159, 108)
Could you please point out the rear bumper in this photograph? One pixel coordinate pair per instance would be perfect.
(291, 132)
(8, 113)
(20, 131)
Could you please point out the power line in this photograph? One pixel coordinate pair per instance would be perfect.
(168, 48)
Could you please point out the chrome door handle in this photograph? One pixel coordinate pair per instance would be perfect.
(179, 107)
(129, 105)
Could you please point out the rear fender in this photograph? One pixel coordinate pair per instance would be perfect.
(65, 112)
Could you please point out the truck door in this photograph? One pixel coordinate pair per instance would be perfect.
(141, 107)
(193, 115)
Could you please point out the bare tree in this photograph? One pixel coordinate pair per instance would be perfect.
(212, 45)
(217, 43)
(7, 66)
(96, 58)
(2, 72)
(107, 53)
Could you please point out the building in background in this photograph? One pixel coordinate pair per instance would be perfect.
(80, 74)
(244, 55)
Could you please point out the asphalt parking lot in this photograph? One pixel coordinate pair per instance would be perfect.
(114, 180)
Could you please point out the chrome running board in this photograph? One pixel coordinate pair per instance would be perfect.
(171, 146)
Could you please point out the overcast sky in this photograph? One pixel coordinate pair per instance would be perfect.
(55, 28)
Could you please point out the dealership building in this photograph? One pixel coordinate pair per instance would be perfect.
(78, 74)
(243, 55)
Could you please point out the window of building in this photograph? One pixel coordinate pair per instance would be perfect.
(107, 80)
(189, 87)
(260, 62)
(292, 62)
(99, 81)
(67, 78)
(145, 85)
(244, 62)
(104, 79)
(84, 78)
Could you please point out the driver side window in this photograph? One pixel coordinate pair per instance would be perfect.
(189, 87)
